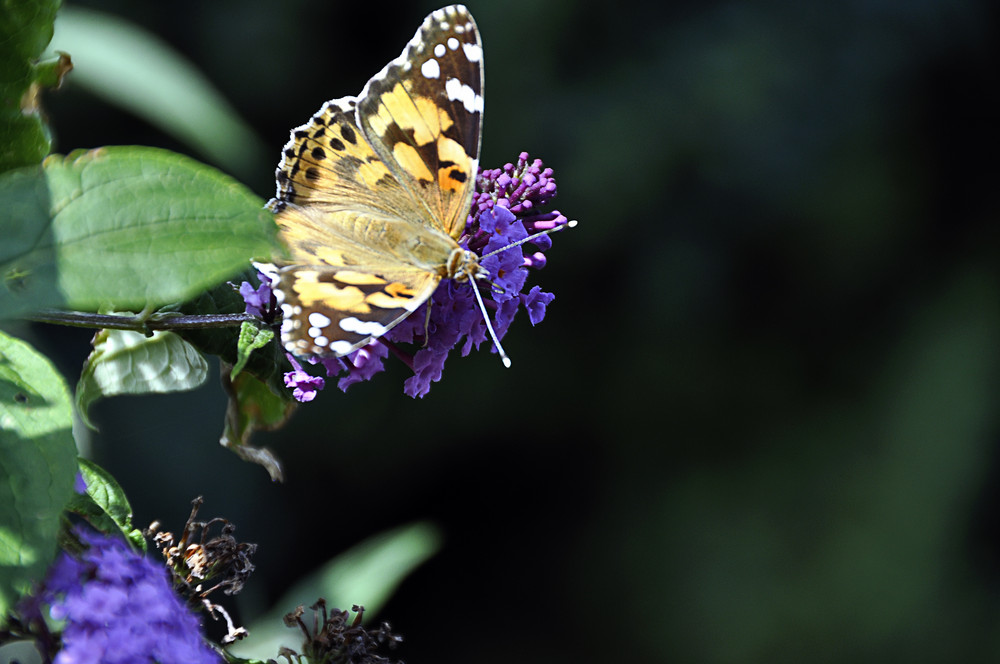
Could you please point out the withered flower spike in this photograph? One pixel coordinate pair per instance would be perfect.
(196, 560)
(339, 640)
(294, 617)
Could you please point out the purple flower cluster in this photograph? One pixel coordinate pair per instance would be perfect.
(119, 606)
(504, 212)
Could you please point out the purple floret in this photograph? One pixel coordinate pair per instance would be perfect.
(303, 385)
(259, 301)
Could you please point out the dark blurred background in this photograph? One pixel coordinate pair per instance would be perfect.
(759, 421)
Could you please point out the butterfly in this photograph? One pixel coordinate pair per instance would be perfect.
(373, 193)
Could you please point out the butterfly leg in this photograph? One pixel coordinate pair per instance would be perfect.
(427, 324)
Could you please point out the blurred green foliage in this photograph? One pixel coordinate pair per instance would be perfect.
(131, 68)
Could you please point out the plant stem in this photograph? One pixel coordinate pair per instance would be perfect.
(139, 323)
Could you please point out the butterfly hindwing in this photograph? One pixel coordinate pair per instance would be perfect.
(336, 311)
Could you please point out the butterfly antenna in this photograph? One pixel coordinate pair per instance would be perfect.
(489, 326)
(547, 231)
(479, 298)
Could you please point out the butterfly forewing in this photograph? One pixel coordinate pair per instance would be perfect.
(328, 164)
(423, 115)
(374, 191)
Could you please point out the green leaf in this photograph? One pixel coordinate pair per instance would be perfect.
(123, 228)
(254, 406)
(367, 574)
(37, 465)
(25, 30)
(252, 337)
(105, 505)
(125, 362)
(161, 86)
(49, 73)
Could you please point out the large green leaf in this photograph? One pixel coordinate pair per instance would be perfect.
(123, 227)
(37, 465)
(25, 30)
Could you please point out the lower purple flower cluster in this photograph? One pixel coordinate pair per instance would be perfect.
(504, 212)
(119, 606)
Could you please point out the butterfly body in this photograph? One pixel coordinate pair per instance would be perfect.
(374, 192)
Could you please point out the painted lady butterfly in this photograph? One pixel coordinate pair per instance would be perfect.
(374, 192)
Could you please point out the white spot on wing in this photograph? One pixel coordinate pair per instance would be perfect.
(430, 69)
(458, 91)
(341, 347)
(316, 319)
(358, 326)
(473, 52)
(440, 50)
(452, 43)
